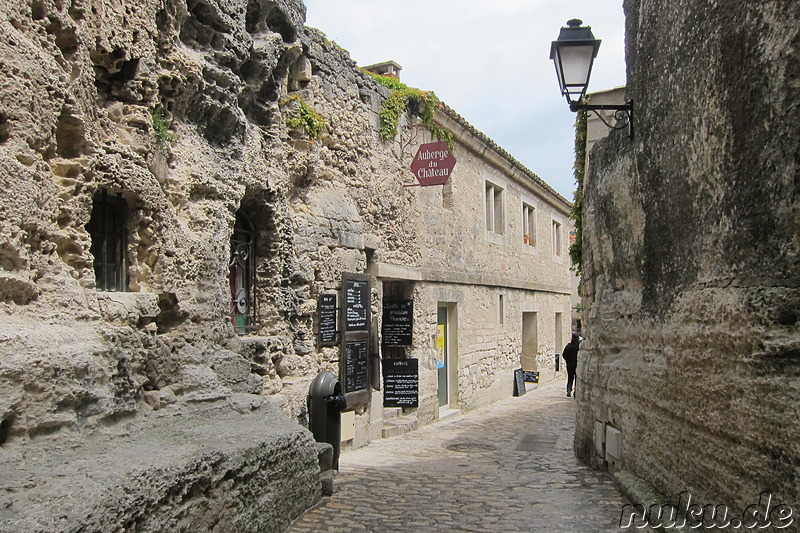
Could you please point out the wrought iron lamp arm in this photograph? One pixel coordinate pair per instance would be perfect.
(623, 113)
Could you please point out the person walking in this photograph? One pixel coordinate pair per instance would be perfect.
(570, 355)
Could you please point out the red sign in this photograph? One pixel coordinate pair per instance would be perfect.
(433, 164)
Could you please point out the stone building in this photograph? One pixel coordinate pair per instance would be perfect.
(689, 371)
(183, 183)
(498, 303)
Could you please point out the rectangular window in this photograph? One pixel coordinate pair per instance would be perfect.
(556, 238)
(109, 241)
(558, 337)
(528, 225)
(241, 275)
(501, 310)
(494, 208)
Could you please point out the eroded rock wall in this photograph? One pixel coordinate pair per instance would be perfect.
(82, 83)
(156, 157)
(176, 113)
(691, 267)
(180, 109)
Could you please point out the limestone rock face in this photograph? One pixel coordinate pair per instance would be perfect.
(182, 179)
(691, 249)
(93, 100)
(178, 112)
(173, 115)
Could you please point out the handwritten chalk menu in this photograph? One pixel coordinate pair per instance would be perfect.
(398, 322)
(355, 366)
(401, 383)
(356, 304)
(354, 333)
(327, 318)
(530, 376)
(519, 382)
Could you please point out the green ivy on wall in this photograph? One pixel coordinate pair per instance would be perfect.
(575, 249)
(403, 97)
(303, 117)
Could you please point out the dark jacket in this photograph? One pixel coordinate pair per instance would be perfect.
(570, 353)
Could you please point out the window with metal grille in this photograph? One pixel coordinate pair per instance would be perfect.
(109, 241)
(242, 275)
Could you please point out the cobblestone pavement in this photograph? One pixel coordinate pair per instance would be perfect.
(507, 467)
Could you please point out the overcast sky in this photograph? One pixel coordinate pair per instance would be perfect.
(487, 59)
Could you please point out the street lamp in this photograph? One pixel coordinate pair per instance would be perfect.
(573, 54)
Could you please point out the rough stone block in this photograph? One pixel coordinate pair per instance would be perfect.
(239, 467)
(325, 453)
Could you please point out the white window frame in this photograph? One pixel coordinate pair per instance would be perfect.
(557, 238)
(528, 224)
(495, 206)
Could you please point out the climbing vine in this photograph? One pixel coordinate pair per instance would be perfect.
(403, 97)
(303, 117)
(575, 249)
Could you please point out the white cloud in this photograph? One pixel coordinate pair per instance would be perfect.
(488, 60)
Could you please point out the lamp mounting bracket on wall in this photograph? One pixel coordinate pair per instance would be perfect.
(623, 114)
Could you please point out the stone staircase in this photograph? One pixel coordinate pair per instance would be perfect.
(395, 423)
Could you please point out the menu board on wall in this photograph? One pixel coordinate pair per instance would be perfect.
(327, 318)
(398, 322)
(354, 334)
(400, 383)
(355, 366)
(356, 304)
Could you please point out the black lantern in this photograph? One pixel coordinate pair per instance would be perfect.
(573, 54)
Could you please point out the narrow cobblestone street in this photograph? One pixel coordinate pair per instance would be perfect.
(507, 467)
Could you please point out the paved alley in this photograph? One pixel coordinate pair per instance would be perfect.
(507, 467)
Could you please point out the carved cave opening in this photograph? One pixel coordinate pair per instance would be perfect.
(266, 293)
(109, 235)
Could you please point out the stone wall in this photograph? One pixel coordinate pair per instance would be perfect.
(184, 121)
(175, 110)
(83, 84)
(691, 272)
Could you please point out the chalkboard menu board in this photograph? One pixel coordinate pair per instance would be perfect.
(356, 304)
(398, 322)
(519, 382)
(327, 318)
(400, 383)
(355, 366)
(530, 376)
